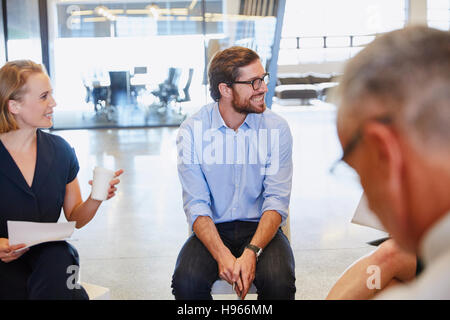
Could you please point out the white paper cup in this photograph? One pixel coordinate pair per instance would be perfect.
(100, 183)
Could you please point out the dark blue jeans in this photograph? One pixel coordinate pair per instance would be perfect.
(196, 270)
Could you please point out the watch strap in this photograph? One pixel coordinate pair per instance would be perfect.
(257, 250)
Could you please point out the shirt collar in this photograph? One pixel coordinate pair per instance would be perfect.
(217, 121)
(436, 240)
(250, 120)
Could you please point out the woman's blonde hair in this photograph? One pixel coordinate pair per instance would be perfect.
(13, 77)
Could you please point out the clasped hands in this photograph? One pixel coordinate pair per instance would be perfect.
(239, 272)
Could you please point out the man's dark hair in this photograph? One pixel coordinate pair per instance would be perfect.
(224, 67)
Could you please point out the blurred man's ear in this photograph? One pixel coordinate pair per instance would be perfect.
(384, 147)
(387, 162)
(225, 90)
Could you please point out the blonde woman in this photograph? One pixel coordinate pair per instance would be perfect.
(38, 177)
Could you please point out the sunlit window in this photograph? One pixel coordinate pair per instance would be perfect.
(329, 30)
(23, 30)
(139, 63)
(438, 14)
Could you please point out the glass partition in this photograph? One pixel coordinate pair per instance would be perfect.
(139, 63)
(2, 38)
(24, 38)
(249, 24)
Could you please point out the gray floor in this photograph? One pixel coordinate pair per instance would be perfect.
(132, 244)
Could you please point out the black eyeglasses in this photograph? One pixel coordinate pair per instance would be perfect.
(256, 83)
(356, 139)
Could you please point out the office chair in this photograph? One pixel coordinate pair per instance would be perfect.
(120, 87)
(100, 98)
(168, 90)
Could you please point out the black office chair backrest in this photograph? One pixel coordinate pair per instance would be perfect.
(120, 87)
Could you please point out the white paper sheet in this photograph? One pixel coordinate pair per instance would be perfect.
(32, 233)
(365, 217)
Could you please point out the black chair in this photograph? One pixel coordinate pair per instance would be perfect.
(98, 95)
(168, 90)
(119, 87)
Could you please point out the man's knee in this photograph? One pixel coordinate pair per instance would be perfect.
(195, 272)
(275, 272)
(188, 283)
(276, 285)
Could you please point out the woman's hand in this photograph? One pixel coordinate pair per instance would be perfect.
(8, 253)
(83, 212)
(112, 184)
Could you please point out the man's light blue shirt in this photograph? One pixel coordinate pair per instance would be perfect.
(232, 175)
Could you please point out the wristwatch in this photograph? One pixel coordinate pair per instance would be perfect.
(255, 249)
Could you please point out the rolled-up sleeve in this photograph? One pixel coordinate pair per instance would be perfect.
(196, 193)
(278, 178)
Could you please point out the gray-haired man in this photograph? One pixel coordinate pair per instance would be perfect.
(394, 126)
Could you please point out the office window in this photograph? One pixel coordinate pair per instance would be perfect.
(2, 39)
(24, 39)
(96, 42)
(329, 30)
(155, 51)
(438, 14)
(129, 18)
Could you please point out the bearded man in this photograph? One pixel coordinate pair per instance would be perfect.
(235, 168)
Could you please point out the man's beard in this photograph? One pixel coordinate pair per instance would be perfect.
(246, 107)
